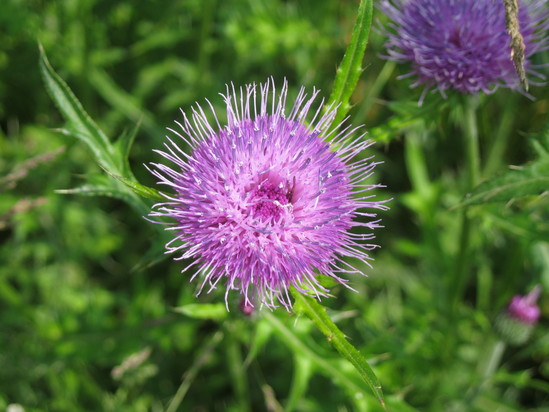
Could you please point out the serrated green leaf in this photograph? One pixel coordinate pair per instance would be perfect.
(81, 124)
(103, 185)
(407, 114)
(523, 224)
(122, 148)
(103, 158)
(532, 179)
(212, 311)
(125, 141)
(138, 188)
(96, 190)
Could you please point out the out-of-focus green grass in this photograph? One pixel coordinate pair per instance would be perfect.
(73, 310)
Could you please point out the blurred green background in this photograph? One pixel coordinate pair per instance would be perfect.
(86, 316)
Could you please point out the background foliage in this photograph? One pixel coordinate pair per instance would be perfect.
(87, 307)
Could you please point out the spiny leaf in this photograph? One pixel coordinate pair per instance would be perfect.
(103, 185)
(523, 224)
(350, 69)
(96, 190)
(70, 107)
(102, 157)
(139, 189)
(122, 148)
(532, 179)
(407, 114)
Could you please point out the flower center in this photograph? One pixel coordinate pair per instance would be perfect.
(268, 199)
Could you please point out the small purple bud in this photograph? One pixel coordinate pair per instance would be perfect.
(525, 308)
(246, 307)
(516, 323)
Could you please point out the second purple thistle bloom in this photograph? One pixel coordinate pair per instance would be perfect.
(264, 203)
(462, 45)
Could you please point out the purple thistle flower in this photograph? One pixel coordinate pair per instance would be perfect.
(264, 203)
(516, 323)
(525, 308)
(462, 45)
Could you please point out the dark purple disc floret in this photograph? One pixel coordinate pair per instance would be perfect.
(264, 203)
(462, 45)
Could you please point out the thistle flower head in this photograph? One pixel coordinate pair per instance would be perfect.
(462, 45)
(516, 323)
(264, 203)
(525, 308)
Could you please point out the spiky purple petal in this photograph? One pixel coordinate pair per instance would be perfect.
(264, 203)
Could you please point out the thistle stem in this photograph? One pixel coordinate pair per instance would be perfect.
(472, 159)
(317, 313)
(471, 135)
(350, 69)
(501, 138)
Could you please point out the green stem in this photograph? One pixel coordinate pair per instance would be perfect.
(501, 138)
(349, 70)
(461, 265)
(416, 166)
(317, 313)
(329, 369)
(472, 159)
(472, 146)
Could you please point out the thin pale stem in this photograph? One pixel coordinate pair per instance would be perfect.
(238, 373)
(191, 374)
(487, 368)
